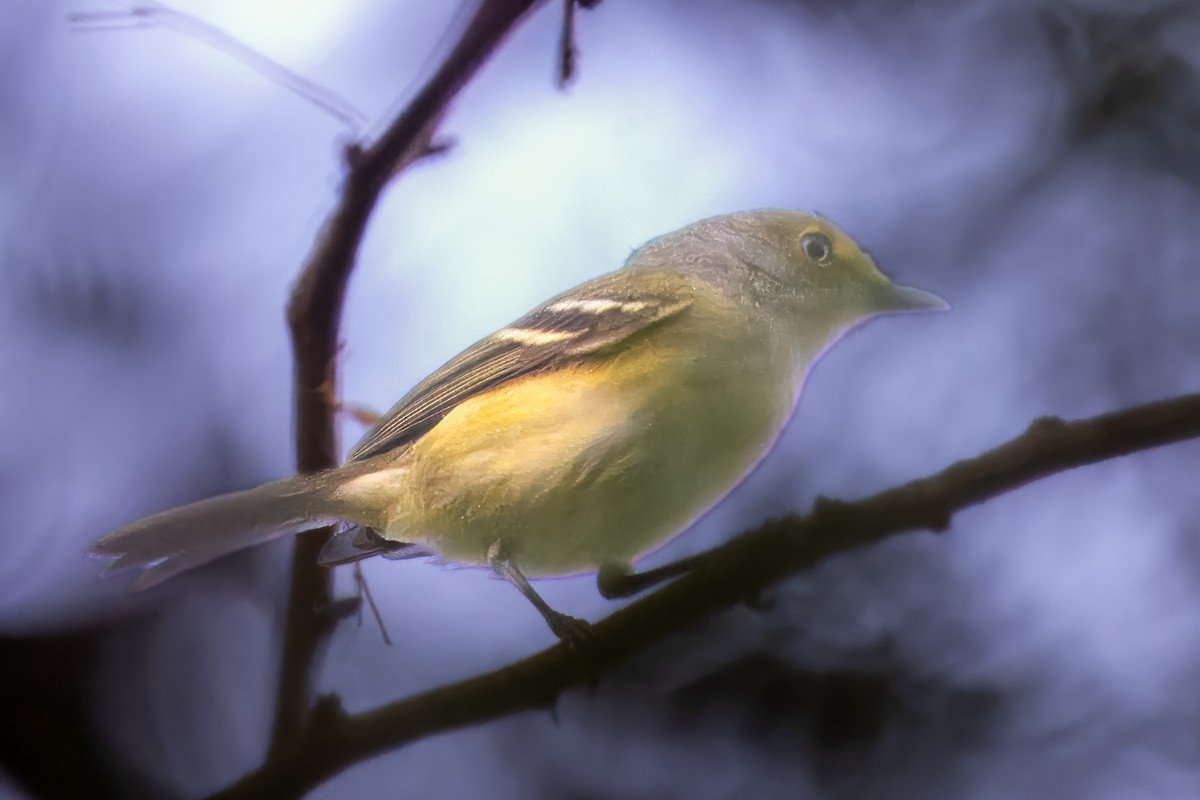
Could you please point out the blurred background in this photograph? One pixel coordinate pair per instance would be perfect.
(1035, 162)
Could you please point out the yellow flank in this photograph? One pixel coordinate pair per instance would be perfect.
(597, 462)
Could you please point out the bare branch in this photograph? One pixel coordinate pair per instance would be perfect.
(314, 316)
(568, 52)
(150, 12)
(332, 740)
(364, 593)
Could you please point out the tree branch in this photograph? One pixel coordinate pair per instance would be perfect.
(332, 740)
(568, 51)
(148, 12)
(314, 317)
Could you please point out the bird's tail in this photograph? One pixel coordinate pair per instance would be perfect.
(173, 541)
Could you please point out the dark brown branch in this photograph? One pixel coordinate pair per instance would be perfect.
(332, 741)
(314, 316)
(568, 52)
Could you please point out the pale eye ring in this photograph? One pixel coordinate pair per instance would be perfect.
(817, 247)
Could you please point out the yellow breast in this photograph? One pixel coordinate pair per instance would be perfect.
(594, 463)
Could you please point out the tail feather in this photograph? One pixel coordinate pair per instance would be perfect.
(179, 539)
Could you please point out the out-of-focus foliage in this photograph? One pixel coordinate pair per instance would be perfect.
(1034, 162)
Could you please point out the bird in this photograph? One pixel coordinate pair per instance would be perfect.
(585, 434)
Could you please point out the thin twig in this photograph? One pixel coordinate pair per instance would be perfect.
(314, 317)
(364, 593)
(724, 578)
(146, 12)
(568, 51)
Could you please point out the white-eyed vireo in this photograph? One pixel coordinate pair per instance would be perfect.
(584, 434)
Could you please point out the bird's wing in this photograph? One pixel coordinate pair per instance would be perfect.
(555, 334)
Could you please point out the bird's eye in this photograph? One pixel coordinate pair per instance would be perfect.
(817, 247)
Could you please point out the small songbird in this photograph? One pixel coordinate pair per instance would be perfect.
(583, 435)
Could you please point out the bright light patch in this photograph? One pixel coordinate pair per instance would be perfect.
(294, 32)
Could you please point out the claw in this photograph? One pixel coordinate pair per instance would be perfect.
(573, 632)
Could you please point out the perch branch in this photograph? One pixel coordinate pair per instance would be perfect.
(332, 740)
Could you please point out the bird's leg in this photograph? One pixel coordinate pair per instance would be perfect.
(571, 630)
(614, 581)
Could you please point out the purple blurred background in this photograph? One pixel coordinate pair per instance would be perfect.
(1035, 162)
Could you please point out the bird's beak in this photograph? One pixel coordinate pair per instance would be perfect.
(893, 298)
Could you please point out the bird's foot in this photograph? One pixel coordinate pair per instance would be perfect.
(573, 632)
